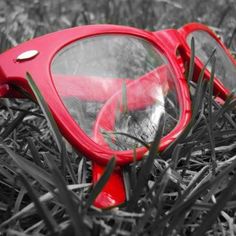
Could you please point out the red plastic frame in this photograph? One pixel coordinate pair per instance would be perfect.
(12, 72)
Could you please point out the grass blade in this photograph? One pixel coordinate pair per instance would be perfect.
(124, 98)
(41, 209)
(196, 104)
(197, 98)
(66, 197)
(132, 137)
(101, 182)
(13, 125)
(146, 167)
(51, 122)
(34, 152)
(29, 167)
(211, 216)
(184, 205)
(45, 109)
(191, 64)
(29, 209)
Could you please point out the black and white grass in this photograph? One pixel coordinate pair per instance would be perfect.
(189, 189)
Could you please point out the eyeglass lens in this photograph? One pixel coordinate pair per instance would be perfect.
(225, 70)
(116, 83)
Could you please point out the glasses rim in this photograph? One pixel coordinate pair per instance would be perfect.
(167, 41)
(185, 31)
(63, 38)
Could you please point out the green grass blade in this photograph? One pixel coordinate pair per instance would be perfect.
(29, 167)
(186, 204)
(156, 202)
(19, 200)
(212, 215)
(210, 124)
(197, 98)
(13, 124)
(41, 209)
(82, 171)
(71, 171)
(196, 104)
(34, 152)
(51, 122)
(30, 209)
(101, 182)
(45, 109)
(138, 140)
(146, 167)
(229, 103)
(191, 64)
(66, 197)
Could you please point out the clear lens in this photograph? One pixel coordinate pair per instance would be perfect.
(225, 70)
(116, 83)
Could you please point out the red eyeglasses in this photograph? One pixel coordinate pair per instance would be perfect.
(103, 80)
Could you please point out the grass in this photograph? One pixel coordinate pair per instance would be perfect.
(45, 184)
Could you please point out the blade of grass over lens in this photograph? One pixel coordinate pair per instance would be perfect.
(197, 98)
(124, 98)
(101, 182)
(143, 143)
(196, 104)
(191, 63)
(146, 167)
(51, 122)
(42, 210)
